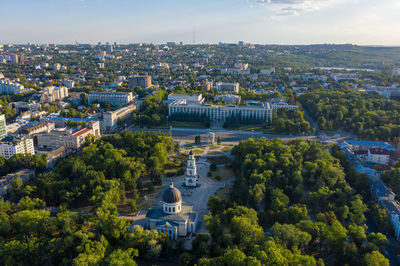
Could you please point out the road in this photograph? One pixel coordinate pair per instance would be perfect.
(186, 135)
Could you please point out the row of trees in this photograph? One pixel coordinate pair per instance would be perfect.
(153, 112)
(369, 117)
(290, 121)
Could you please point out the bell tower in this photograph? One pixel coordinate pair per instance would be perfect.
(191, 177)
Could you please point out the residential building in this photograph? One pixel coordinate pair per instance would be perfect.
(10, 87)
(3, 126)
(189, 97)
(143, 81)
(378, 156)
(115, 98)
(228, 98)
(172, 217)
(220, 113)
(11, 145)
(51, 94)
(111, 118)
(228, 87)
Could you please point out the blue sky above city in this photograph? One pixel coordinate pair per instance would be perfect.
(365, 22)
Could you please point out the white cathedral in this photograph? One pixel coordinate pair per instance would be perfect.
(191, 177)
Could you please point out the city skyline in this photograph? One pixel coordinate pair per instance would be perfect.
(156, 21)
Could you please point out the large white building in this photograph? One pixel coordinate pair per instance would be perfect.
(3, 128)
(115, 98)
(12, 145)
(228, 87)
(10, 87)
(220, 113)
(111, 118)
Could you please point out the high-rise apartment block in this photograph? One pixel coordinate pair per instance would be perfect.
(3, 129)
(9, 146)
(143, 81)
(51, 94)
(10, 87)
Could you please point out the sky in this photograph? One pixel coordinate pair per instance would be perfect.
(362, 22)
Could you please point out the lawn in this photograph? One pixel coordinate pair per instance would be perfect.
(224, 173)
(223, 192)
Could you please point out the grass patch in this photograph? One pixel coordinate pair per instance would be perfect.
(251, 127)
(224, 173)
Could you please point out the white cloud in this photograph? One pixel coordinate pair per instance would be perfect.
(295, 7)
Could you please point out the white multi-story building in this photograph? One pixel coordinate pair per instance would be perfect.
(10, 87)
(51, 94)
(114, 98)
(220, 113)
(12, 145)
(111, 118)
(228, 87)
(3, 128)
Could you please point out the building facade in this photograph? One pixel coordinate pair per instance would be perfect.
(111, 118)
(3, 127)
(220, 113)
(12, 145)
(228, 87)
(143, 81)
(191, 177)
(51, 94)
(10, 87)
(114, 98)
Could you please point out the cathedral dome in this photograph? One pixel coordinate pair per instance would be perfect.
(172, 195)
